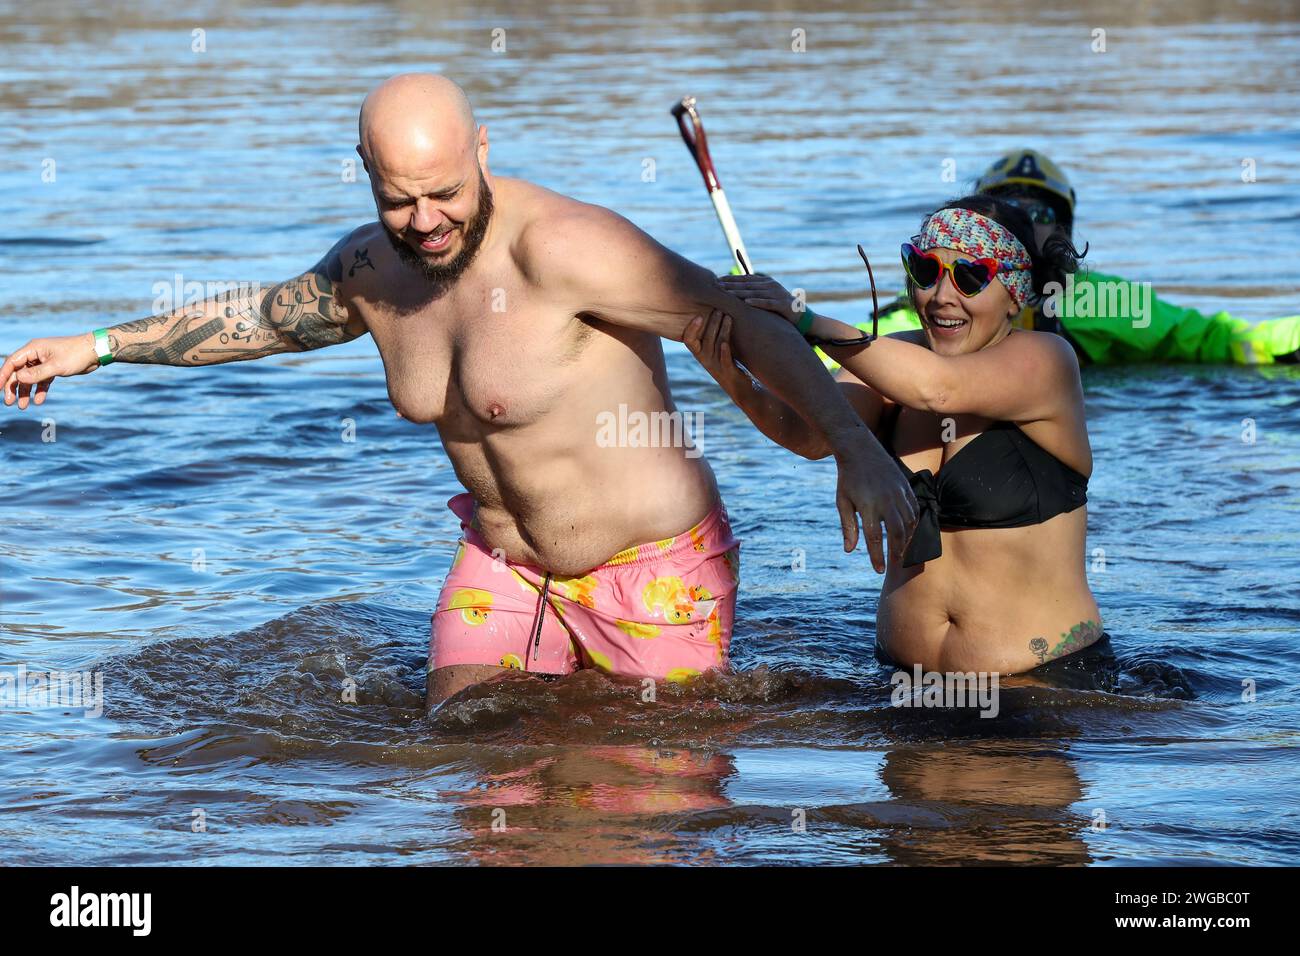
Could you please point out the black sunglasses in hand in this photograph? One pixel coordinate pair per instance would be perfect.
(864, 339)
(875, 307)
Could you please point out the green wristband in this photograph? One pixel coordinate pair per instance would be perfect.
(806, 321)
(102, 348)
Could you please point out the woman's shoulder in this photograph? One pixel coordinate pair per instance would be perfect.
(911, 336)
(1049, 343)
(1044, 352)
(1045, 347)
(1064, 436)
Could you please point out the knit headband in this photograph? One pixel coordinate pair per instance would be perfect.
(981, 238)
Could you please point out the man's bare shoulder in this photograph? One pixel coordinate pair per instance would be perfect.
(356, 260)
(530, 203)
(595, 264)
(559, 236)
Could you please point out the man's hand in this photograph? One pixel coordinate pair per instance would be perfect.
(872, 485)
(28, 371)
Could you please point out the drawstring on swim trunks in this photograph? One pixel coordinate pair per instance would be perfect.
(541, 614)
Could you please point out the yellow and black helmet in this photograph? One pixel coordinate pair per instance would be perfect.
(1029, 167)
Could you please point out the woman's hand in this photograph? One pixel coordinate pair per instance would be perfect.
(710, 342)
(762, 292)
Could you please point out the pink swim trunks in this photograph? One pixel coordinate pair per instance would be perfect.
(663, 609)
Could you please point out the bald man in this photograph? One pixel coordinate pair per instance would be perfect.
(525, 326)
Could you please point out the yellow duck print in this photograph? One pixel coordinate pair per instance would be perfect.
(578, 590)
(732, 558)
(634, 629)
(715, 633)
(670, 597)
(697, 540)
(626, 556)
(512, 661)
(473, 604)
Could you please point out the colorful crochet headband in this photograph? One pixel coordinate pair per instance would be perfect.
(980, 237)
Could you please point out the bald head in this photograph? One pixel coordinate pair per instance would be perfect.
(427, 160)
(416, 120)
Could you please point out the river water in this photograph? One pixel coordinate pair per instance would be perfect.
(203, 540)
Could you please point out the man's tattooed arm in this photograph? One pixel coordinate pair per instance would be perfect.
(246, 323)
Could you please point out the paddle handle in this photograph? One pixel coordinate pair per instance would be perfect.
(692, 130)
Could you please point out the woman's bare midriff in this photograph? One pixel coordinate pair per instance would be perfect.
(996, 599)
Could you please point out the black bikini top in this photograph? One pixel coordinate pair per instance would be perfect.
(999, 479)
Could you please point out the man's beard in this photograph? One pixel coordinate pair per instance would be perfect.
(446, 273)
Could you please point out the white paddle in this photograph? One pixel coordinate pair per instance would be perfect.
(693, 135)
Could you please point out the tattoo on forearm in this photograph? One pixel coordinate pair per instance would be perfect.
(140, 325)
(183, 343)
(1076, 639)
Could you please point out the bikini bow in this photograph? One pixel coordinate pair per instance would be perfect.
(925, 544)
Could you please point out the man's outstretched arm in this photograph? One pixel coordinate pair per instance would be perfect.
(302, 313)
(624, 277)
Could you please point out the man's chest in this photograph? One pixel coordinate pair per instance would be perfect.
(494, 355)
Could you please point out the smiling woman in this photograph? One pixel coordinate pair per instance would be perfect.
(987, 423)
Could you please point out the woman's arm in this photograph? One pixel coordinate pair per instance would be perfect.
(1019, 379)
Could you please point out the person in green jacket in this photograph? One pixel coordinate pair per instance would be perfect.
(1109, 320)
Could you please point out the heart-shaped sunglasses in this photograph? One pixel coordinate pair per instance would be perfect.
(969, 276)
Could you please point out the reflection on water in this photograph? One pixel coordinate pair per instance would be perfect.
(758, 765)
(256, 593)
